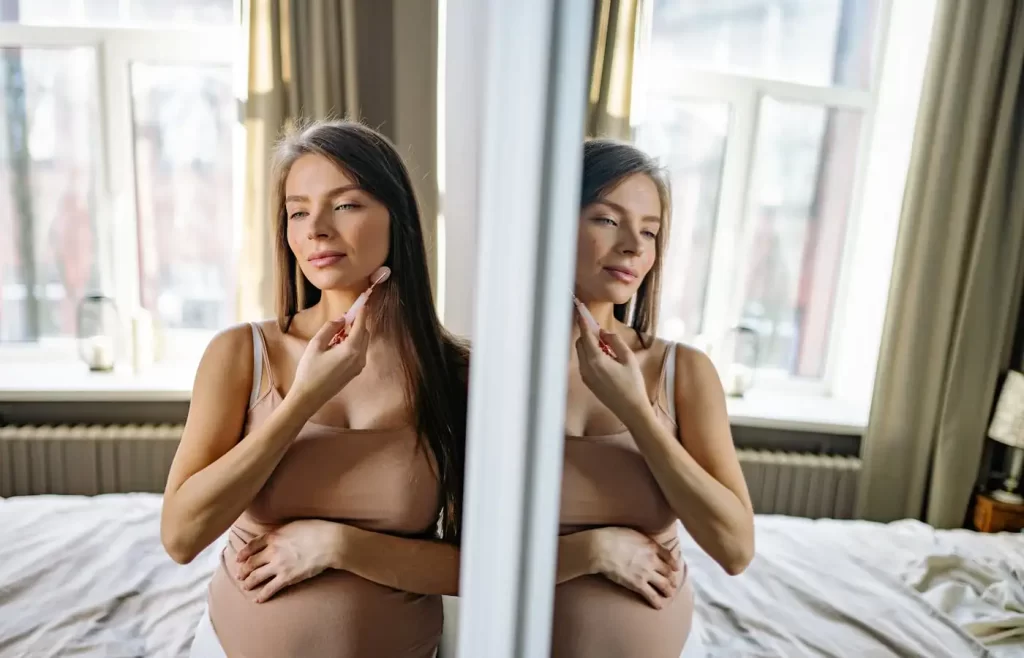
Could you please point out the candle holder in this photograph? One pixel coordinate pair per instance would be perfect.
(742, 354)
(97, 329)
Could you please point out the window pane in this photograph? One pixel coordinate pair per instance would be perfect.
(819, 42)
(183, 157)
(48, 119)
(204, 12)
(119, 12)
(688, 137)
(804, 170)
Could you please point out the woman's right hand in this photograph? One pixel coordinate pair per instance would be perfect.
(324, 369)
(635, 561)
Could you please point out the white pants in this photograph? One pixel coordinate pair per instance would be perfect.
(206, 644)
(694, 647)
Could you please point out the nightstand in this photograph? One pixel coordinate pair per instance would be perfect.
(992, 515)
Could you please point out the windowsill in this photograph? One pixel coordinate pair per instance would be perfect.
(798, 413)
(64, 383)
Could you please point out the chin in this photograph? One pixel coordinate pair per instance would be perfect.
(331, 280)
(611, 291)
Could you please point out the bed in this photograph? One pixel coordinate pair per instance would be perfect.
(87, 577)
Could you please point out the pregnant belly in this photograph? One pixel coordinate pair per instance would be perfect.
(595, 618)
(334, 615)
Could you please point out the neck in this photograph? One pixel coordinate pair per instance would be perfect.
(603, 312)
(334, 303)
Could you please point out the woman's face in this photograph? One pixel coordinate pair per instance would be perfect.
(616, 247)
(338, 233)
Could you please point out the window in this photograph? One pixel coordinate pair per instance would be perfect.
(760, 109)
(118, 143)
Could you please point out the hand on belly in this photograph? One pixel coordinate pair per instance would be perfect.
(637, 562)
(287, 555)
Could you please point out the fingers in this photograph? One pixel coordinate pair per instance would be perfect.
(358, 332)
(662, 585)
(663, 569)
(621, 351)
(275, 585)
(580, 322)
(254, 546)
(254, 562)
(258, 577)
(587, 336)
(322, 338)
(656, 600)
(669, 556)
(359, 323)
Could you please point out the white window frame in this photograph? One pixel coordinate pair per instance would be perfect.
(116, 48)
(522, 310)
(743, 93)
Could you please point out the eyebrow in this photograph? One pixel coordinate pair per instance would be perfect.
(330, 193)
(622, 210)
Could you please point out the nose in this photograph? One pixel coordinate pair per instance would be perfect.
(321, 224)
(630, 242)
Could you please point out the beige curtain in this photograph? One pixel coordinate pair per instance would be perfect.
(957, 278)
(611, 67)
(313, 59)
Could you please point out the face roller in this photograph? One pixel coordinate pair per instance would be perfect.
(592, 324)
(379, 276)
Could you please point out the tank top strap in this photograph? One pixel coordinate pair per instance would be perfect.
(260, 362)
(666, 391)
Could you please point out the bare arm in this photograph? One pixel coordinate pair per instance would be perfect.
(624, 556)
(700, 475)
(215, 475)
(420, 566)
(575, 556)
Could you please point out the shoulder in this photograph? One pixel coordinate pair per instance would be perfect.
(228, 342)
(696, 374)
(228, 357)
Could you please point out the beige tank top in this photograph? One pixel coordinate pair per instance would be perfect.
(606, 482)
(379, 480)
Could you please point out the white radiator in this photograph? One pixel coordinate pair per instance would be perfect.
(98, 459)
(85, 459)
(795, 484)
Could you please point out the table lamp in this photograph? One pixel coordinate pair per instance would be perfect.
(1008, 428)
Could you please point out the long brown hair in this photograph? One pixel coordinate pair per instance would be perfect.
(434, 361)
(606, 162)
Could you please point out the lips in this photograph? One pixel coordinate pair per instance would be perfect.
(623, 274)
(325, 258)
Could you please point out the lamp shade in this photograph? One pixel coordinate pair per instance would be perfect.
(1008, 421)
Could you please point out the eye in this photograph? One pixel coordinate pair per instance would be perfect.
(346, 206)
(298, 214)
(650, 235)
(607, 221)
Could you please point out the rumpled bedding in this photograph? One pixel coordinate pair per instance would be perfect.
(88, 577)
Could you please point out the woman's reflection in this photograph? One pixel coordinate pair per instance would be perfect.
(647, 435)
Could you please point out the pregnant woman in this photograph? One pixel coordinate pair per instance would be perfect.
(334, 467)
(648, 440)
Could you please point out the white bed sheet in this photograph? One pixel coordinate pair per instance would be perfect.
(88, 577)
(850, 588)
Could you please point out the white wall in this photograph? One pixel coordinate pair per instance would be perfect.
(462, 28)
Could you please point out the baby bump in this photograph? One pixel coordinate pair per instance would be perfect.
(335, 614)
(595, 618)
